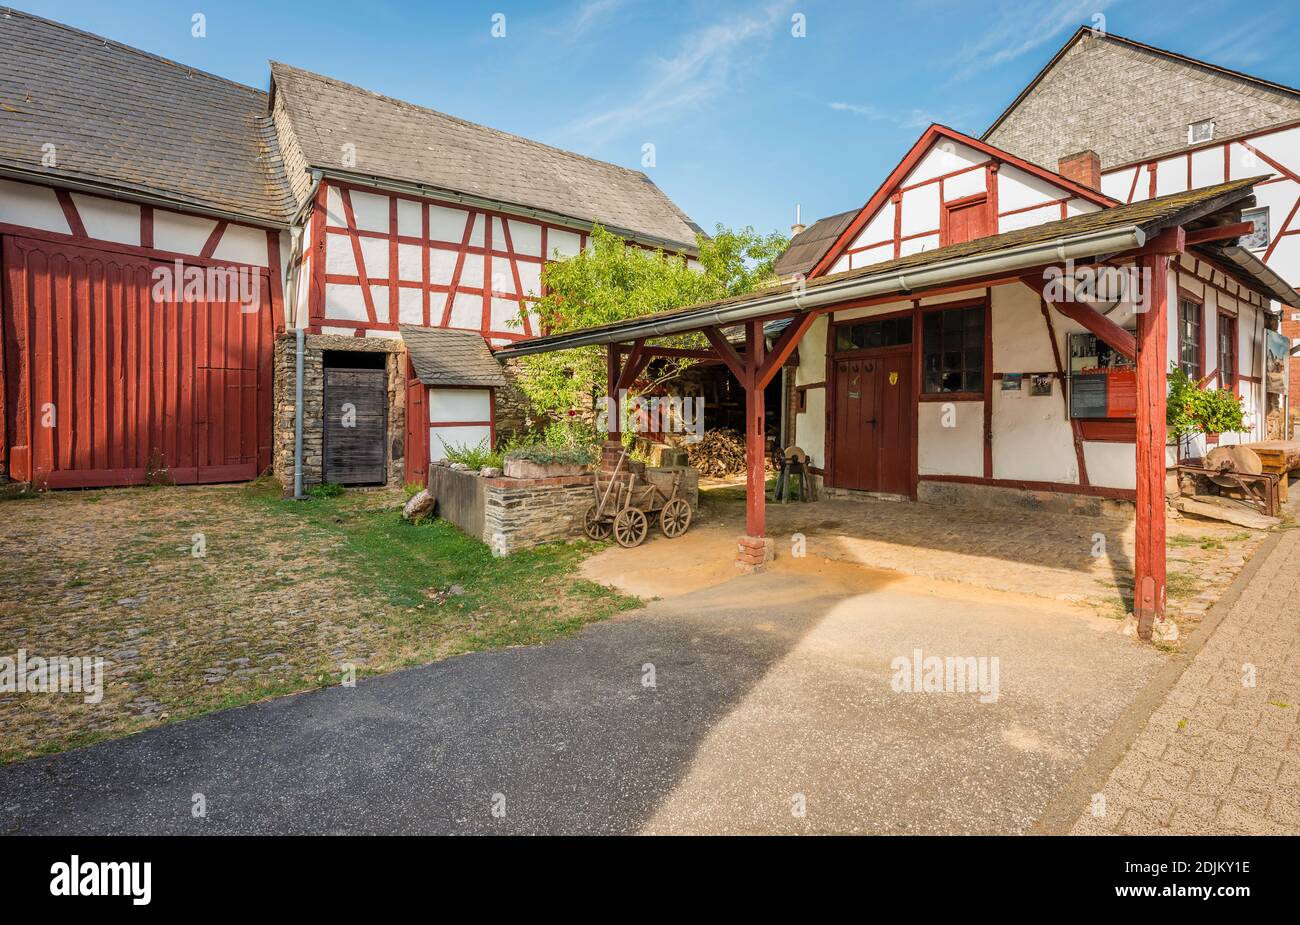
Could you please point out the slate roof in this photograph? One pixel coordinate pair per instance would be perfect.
(811, 244)
(444, 357)
(401, 141)
(130, 120)
(1152, 215)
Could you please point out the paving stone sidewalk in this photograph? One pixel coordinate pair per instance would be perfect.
(1220, 755)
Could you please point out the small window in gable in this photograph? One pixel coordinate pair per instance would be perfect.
(1259, 237)
(1200, 131)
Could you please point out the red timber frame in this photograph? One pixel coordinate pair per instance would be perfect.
(500, 260)
(16, 453)
(893, 190)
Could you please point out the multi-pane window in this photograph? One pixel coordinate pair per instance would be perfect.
(867, 335)
(1189, 338)
(952, 353)
(1259, 237)
(1227, 352)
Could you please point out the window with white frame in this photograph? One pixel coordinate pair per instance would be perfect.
(1258, 238)
(1200, 131)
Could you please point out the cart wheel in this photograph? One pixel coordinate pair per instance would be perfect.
(630, 527)
(675, 518)
(593, 526)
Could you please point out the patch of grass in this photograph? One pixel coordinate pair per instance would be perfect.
(1211, 543)
(528, 597)
(325, 490)
(1181, 584)
(731, 492)
(1279, 704)
(1179, 540)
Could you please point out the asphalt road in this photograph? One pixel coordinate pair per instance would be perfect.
(771, 710)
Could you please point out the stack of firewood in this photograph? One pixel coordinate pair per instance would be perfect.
(718, 453)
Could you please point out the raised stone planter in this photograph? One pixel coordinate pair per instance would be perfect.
(511, 514)
(527, 469)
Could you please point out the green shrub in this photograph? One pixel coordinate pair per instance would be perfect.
(325, 490)
(475, 457)
(543, 454)
(1193, 410)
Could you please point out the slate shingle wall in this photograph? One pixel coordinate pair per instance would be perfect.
(1128, 104)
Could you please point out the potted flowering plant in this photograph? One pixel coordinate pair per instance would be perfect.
(1192, 409)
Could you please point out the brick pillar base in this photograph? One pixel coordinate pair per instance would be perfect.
(754, 552)
(610, 451)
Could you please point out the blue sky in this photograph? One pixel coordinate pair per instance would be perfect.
(745, 118)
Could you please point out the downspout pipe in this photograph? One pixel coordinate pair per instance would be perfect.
(300, 338)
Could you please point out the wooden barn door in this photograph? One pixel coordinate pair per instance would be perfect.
(105, 386)
(873, 421)
(356, 426)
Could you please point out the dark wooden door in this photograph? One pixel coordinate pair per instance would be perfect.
(873, 421)
(356, 426)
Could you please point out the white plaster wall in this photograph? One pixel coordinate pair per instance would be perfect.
(810, 426)
(459, 405)
(1032, 437)
(950, 450)
(1111, 465)
(109, 219)
(183, 234)
(31, 206)
(461, 437)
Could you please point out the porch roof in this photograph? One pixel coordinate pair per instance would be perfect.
(452, 358)
(1108, 231)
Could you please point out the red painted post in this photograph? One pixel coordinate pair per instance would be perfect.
(756, 482)
(1152, 360)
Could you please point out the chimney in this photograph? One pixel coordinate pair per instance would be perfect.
(1083, 168)
(797, 228)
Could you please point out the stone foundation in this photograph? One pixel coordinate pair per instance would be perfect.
(314, 402)
(997, 497)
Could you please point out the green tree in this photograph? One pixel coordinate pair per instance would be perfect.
(614, 281)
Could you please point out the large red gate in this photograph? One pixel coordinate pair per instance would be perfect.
(106, 386)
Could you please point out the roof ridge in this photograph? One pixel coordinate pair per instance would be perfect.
(10, 12)
(1082, 30)
(477, 125)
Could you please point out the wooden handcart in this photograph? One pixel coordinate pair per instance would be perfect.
(625, 501)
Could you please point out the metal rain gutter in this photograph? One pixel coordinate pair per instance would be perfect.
(112, 192)
(1111, 240)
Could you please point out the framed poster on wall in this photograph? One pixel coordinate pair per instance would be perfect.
(1277, 349)
(1103, 382)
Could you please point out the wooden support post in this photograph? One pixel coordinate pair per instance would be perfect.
(611, 391)
(755, 445)
(1152, 360)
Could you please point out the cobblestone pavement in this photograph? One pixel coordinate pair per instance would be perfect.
(1221, 755)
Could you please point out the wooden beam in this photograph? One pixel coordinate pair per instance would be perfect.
(1219, 233)
(755, 444)
(680, 352)
(726, 353)
(636, 361)
(1095, 322)
(784, 346)
(1152, 361)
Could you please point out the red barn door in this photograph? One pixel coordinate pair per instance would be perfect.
(104, 385)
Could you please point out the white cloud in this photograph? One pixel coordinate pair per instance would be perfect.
(702, 67)
(1022, 27)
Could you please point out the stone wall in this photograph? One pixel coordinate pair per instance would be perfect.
(519, 513)
(314, 402)
(999, 497)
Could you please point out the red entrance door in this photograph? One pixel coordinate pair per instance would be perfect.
(873, 421)
(105, 385)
